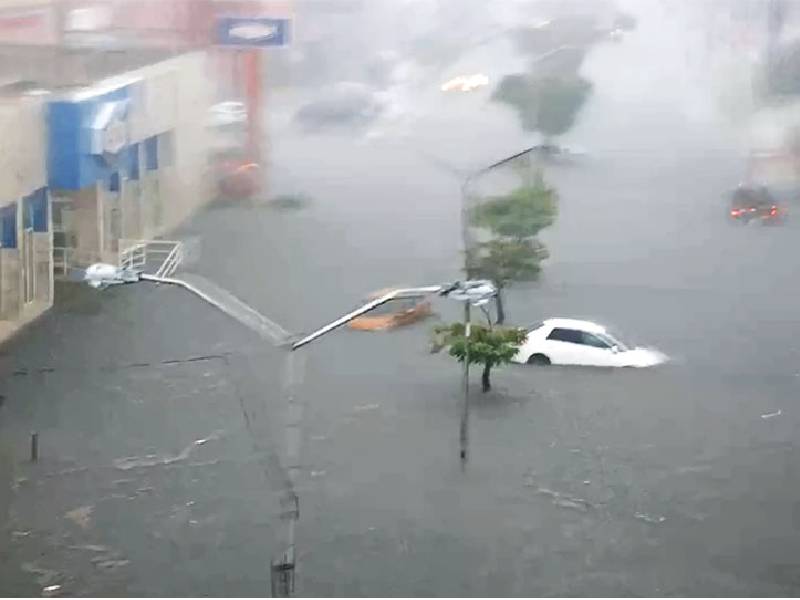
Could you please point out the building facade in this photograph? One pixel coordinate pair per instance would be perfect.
(26, 274)
(127, 158)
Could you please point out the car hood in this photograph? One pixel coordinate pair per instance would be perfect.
(643, 357)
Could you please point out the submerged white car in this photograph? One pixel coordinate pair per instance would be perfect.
(573, 342)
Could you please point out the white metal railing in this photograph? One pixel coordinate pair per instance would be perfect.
(60, 261)
(133, 256)
(159, 257)
(172, 262)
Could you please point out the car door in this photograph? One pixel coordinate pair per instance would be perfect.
(563, 346)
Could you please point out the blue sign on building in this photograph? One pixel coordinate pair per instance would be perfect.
(252, 32)
(88, 138)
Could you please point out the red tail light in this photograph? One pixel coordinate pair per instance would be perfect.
(735, 213)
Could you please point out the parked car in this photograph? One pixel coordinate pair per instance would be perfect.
(574, 342)
(395, 313)
(227, 114)
(755, 203)
(344, 104)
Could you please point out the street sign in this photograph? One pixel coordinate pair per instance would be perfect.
(252, 32)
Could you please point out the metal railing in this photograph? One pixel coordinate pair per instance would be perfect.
(158, 257)
(172, 262)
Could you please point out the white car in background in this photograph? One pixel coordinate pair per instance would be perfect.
(573, 342)
(227, 114)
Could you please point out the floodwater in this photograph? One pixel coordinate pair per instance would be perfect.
(679, 480)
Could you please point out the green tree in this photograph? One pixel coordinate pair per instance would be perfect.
(548, 104)
(559, 100)
(515, 253)
(504, 261)
(489, 345)
(523, 213)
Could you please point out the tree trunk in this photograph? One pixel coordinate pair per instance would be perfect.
(501, 311)
(486, 384)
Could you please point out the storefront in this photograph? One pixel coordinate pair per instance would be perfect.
(104, 168)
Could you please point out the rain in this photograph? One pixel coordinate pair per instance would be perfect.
(199, 423)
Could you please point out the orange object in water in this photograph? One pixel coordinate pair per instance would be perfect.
(240, 180)
(395, 313)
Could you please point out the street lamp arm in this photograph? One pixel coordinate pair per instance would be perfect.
(246, 315)
(408, 292)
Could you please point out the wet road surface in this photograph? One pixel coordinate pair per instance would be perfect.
(672, 481)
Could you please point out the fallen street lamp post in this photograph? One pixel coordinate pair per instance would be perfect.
(477, 293)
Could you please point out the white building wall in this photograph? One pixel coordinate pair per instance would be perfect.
(22, 147)
(173, 101)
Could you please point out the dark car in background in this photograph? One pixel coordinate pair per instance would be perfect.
(756, 203)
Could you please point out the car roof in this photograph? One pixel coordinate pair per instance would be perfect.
(575, 324)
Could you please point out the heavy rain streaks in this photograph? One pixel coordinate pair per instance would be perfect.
(159, 479)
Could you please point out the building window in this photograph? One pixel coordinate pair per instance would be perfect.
(151, 153)
(8, 226)
(35, 213)
(114, 182)
(132, 165)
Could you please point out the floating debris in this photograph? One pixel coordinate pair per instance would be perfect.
(574, 503)
(80, 516)
(110, 565)
(154, 460)
(18, 535)
(315, 474)
(777, 413)
(364, 407)
(215, 435)
(565, 501)
(90, 548)
(586, 482)
(51, 590)
(653, 520)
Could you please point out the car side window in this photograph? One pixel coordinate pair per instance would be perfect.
(565, 335)
(589, 339)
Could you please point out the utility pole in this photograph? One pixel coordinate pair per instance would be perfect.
(463, 436)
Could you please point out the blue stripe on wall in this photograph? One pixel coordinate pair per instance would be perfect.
(8, 226)
(151, 153)
(35, 213)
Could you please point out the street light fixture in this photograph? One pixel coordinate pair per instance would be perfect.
(475, 292)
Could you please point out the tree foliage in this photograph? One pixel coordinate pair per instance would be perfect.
(548, 104)
(490, 346)
(505, 260)
(514, 253)
(559, 100)
(521, 214)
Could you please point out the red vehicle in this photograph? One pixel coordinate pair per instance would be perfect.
(755, 203)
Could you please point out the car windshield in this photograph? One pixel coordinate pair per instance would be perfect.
(612, 341)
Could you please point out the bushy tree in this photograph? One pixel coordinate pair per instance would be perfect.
(504, 261)
(489, 345)
(514, 253)
(523, 213)
(559, 99)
